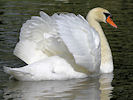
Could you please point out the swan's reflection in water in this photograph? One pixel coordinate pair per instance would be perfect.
(76, 89)
(105, 86)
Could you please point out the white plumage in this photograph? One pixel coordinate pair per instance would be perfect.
(81, 39)
(57, 47)
(52, 68)
(65, 35)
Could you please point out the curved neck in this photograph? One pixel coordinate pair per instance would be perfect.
(95, 24)
(106, 55)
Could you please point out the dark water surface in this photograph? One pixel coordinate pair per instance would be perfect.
(116, 86)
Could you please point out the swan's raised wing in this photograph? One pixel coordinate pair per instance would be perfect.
(59, 35)
(32, 38)
(39, 39)
(81, 39)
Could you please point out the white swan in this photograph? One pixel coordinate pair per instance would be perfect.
(73, 42)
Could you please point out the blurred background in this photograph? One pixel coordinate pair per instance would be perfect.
(116, 86)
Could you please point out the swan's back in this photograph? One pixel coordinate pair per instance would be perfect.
(65, 35)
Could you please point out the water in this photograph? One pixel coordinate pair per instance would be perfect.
(116, 86)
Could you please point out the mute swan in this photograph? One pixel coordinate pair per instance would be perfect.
(63, 46)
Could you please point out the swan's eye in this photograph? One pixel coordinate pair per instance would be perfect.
(107, 15)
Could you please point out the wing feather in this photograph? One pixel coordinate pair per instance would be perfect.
(81, 39)
(39, 39)
(65, 35)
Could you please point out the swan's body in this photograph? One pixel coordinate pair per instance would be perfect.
(68, 36)
(52, 68)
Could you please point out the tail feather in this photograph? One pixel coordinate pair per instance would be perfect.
(7, 70)
(13, 71)
(17, 74)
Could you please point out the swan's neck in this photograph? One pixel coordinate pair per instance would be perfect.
(106, 55)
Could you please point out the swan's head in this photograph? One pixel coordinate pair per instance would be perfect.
(101, 15)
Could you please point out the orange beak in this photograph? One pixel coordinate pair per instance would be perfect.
(110, 21)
